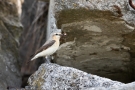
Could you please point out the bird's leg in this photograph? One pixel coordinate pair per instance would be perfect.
(48, 59)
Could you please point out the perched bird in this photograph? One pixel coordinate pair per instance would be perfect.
(50, 46)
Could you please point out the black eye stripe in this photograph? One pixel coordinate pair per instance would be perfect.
(57, 34)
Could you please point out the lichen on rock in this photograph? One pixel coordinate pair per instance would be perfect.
(55, 77)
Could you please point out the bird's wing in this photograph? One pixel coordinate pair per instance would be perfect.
(44, 47)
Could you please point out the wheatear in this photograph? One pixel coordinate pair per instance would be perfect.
(50, 46)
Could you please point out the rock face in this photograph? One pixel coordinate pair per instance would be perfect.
(96, 46)
(55, 77)
(34, 18)
(10, 30)
(98, 39)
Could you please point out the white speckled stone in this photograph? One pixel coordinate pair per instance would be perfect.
(56, 77)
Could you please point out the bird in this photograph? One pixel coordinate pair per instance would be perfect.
(50, 46)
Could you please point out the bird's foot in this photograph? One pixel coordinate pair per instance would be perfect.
(48, 59)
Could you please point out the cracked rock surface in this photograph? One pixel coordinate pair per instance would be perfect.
(96, 46)
(56, 77)
(10, 30)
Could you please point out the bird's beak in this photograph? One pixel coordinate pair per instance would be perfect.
(60, 34)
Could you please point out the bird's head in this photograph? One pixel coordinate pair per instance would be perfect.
(57, 35)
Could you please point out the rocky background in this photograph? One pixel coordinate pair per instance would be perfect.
(100, 37)
(22, 31)
(97, 44)
(10, 31)
(56, 77)
(100, 40)
(34, 20)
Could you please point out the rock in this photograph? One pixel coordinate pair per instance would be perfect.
(96, 40)
(98, 46)
(56, 77)
(10, 30)
(86, 48)
(34, 18)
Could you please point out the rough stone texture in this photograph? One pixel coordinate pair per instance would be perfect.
(107, 46)
(97, 40)
(55, 77)
(108, 54)
(10, 30)
(95, 45)
(34, 18)
(118, 7)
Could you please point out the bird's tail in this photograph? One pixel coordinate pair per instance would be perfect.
(35, 57)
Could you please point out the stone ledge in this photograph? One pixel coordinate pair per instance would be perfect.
(56, 77)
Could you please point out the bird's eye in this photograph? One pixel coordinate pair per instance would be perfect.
(56, 34)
